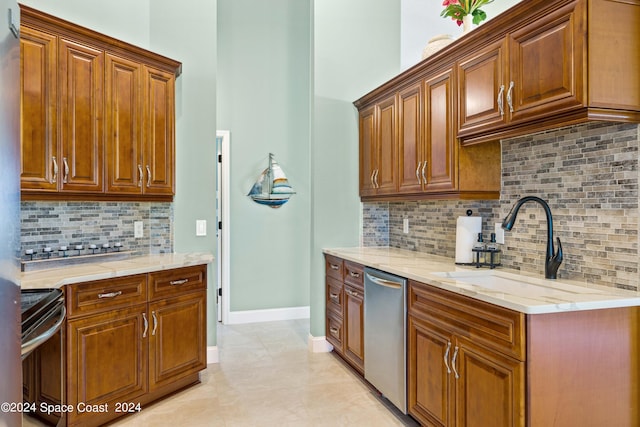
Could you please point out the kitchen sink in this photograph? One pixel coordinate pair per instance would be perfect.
(492, 281)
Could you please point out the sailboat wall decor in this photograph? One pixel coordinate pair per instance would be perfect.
(272, 187)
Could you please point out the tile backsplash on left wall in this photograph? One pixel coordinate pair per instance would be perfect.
(54, 224)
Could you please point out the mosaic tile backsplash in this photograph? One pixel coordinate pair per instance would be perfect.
(56, 224)
(589, 176)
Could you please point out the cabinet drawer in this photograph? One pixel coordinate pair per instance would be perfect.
(178, 281)
(335, 296)
(335, 331)
(108, 294)
(354, 274)
(495, 327)
(334, 267)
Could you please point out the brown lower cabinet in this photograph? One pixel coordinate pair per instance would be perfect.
(345, 310)
(472, 363)
(129, 341)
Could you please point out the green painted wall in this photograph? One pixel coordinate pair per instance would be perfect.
(356, 48)
(264, 101)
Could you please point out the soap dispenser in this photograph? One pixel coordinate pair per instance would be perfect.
(479, 249)
(494, 252)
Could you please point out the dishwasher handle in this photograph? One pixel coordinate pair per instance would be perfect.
(385, 282)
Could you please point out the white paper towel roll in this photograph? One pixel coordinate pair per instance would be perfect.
(467, 229)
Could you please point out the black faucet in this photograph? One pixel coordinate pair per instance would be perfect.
(554, 259)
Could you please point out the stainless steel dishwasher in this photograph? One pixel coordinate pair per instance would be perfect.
(385, 314)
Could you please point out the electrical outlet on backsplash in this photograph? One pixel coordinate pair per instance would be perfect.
(56, 224)
(589, 176)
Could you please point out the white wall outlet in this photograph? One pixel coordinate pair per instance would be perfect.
(499, 233)
(405, 225)
(201, 227)
(138, 229)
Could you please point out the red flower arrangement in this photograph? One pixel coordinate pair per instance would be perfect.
(458, 9)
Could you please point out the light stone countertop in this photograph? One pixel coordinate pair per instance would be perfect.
(523, 292)
(58, 277)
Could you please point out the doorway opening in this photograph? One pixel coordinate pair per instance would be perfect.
(223, 218)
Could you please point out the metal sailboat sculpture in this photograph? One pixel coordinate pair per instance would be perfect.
(272, 187)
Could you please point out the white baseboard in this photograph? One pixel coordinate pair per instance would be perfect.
(268, 315)
(212, 354)
(319, 344)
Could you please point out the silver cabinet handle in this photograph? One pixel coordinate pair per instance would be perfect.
(155, 323)
(375, 179)
(334, 267)
(178, 282)
(501, 100)
(55, 170)
(350, 292)
(453, 362)
(110, 294)
(65, 177)
(418, 173)
(333, 330)
(510, 97)
(424, 168)
(148, 176)
(146, 325)
(373, 172)
(354, 274)
(333, 296)
(140, 176)
(446, 357)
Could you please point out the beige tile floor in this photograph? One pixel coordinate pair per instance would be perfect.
(267, 377)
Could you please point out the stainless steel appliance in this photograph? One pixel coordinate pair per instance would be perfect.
(385, 314)
(43, 314)
(10, 365)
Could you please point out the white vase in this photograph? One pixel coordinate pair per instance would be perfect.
(467, 24)
(436, 43)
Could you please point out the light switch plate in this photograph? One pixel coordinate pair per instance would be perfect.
(405, 225)
(138, 229)
(201, 227)
(499, 233)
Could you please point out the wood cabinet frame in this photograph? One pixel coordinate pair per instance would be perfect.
(87, 133)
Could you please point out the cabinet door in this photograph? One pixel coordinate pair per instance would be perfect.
(38, 130)
(546, 65)
(354, 326)
(48, 376)
(430, 387)
(410, 150)
(106, 360)
(368, 153)
(123, 123)
(81, 107)
(159, 132)
(440, 138)
(385, 178)
(177, 343)
(490, 387)
(482, 90)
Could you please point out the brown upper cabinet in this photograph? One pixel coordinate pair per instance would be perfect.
(97, 115)
(540, 65)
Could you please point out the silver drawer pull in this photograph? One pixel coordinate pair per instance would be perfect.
(354, 274)
(446, 357)
(333, 330)
(334, 267)
(178, 282)
(350, 292)
(333, 296)
(146, 325)
(453, 362)
(110, 294)
(155, 323)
